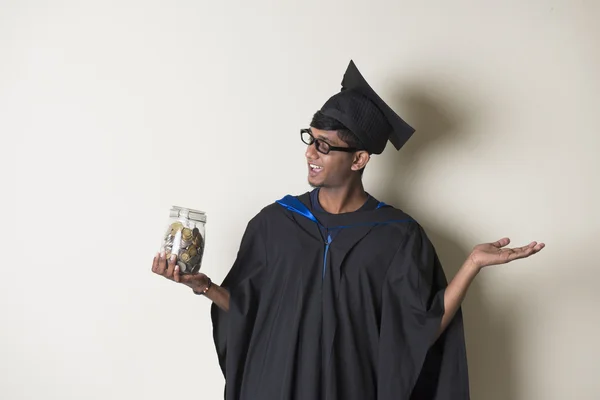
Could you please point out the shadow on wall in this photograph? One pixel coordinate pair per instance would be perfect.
(489, 330)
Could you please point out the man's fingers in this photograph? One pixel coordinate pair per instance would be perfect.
(162, 264)
(525, 251)
(522, 253)
(176, 275)
(171, 266)
(155, 262)
(501, 243)
(539, 246)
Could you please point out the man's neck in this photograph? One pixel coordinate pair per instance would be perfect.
(343, 199)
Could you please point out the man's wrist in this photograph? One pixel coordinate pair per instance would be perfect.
(204, 288)
(471, 265)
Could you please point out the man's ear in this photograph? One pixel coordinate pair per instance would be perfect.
(361, 159)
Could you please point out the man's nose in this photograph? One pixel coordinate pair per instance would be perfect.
(311, 152)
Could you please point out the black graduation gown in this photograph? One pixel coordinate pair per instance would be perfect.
(353, 319)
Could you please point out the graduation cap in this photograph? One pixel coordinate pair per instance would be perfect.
(363, 112)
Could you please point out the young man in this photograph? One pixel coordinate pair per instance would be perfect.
(335, 295)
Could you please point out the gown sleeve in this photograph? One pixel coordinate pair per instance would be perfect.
(232, 329)
(412, 363)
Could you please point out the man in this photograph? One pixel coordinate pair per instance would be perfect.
(335, 295)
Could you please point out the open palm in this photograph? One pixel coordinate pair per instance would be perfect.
(486, 254)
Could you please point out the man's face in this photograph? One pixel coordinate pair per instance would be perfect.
(328, 170)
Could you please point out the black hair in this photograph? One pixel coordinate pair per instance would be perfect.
(326, 123)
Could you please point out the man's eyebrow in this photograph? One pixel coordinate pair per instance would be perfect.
(325, 139)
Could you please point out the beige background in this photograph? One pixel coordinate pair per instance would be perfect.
(110, 112)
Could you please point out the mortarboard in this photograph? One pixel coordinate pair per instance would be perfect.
(363, 112)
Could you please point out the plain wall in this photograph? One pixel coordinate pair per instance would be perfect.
(111, 112)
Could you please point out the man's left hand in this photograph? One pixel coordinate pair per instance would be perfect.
(487, 254)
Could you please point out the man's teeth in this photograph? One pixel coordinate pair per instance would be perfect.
(314, 166)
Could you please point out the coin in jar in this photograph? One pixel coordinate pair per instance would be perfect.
(176, 226)
(186, 234)
(182, 266)
(185, 257)
(192, 251)
(194, 260)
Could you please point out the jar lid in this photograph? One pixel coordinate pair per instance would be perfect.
(188, 213)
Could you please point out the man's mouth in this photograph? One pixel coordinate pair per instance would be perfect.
(314, 169)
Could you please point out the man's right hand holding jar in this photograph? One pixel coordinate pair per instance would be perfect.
(199, 282)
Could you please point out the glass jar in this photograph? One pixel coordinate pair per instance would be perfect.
(185, 236)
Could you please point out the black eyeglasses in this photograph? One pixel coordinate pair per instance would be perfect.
(322, 146)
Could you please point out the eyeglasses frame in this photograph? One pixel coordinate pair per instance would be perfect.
(317, 142)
